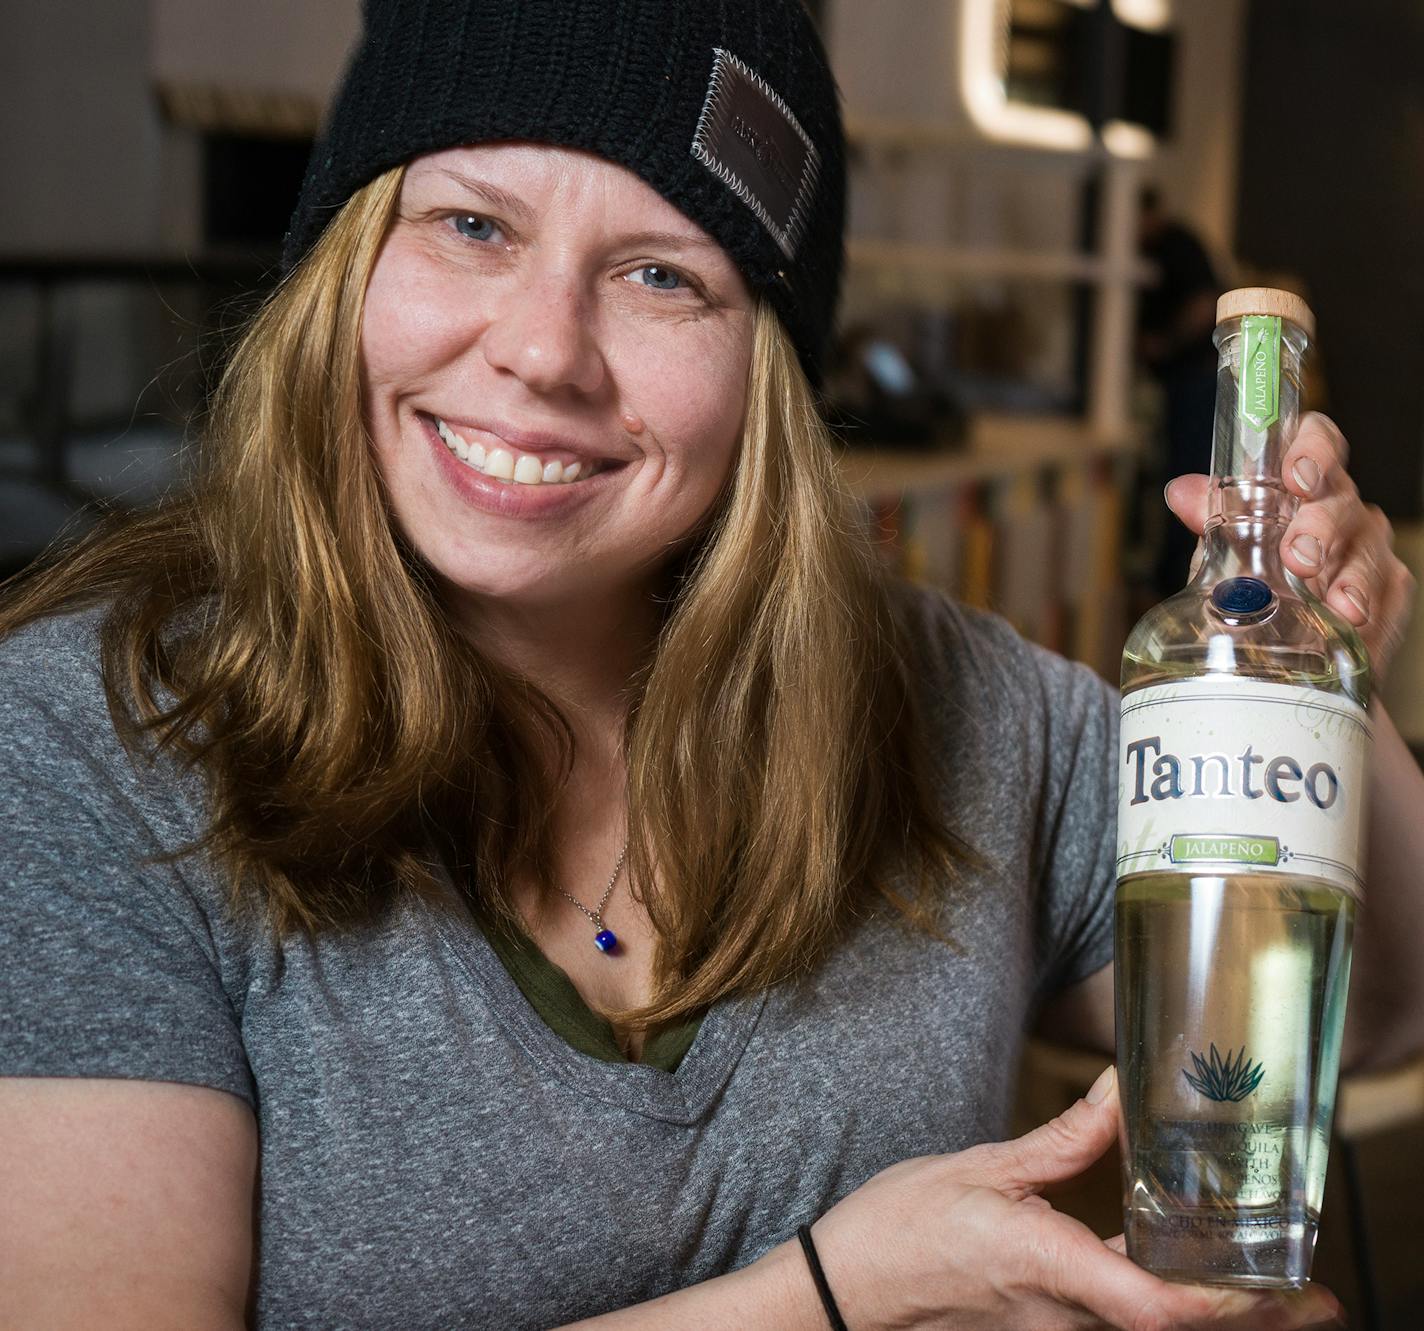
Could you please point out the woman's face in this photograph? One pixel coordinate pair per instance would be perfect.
(554, 372)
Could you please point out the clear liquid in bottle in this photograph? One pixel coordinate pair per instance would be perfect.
(1241, 813)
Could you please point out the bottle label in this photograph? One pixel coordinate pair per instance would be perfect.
(1242, 776)
(1259, 400)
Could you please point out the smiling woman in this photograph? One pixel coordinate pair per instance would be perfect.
(537, 343)
(498, 850)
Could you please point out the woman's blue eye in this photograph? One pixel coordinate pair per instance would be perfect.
(474, 227)
(661, 279)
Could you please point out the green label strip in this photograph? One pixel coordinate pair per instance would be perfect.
(1225, 849)
(1259, 401)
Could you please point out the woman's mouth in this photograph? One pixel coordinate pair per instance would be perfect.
(513, 467)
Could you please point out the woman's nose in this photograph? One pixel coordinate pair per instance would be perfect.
(543, 334)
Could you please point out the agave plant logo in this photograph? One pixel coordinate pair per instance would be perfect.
(1226, 1078)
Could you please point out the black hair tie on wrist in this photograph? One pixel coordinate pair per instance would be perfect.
(828, 1300)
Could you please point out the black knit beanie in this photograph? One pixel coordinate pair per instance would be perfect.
(726, 107)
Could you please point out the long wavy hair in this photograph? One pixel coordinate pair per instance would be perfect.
(268, 626)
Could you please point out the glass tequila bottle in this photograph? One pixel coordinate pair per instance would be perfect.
(1240, 825)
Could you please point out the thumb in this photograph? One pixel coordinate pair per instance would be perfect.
(1065, 1146)
(1186, 496)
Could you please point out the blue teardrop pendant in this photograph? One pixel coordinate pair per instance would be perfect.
(605, 940)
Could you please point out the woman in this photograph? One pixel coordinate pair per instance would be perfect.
(503, 856)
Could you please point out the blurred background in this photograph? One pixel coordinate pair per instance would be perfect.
(1047, 197)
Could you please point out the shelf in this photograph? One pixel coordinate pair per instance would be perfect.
(898, 258)
(888, 137)
(1025, 521)
(921, 273)
(1000, 446)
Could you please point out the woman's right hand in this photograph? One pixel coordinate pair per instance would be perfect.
(964, 1241)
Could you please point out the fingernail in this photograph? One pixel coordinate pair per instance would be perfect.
(1307, 549)
(1307, 474)
(1167, 493)
(1359, 599)
(1102, 1086)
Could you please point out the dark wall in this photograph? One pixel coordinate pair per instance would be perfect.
(1332, 187)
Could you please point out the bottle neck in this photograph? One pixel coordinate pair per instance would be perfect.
(1249, 506)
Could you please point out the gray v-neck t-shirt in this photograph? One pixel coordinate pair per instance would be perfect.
(432, 1154)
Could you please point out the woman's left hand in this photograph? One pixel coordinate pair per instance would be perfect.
(1339, 546)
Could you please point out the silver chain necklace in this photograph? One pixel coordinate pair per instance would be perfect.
(605, 940)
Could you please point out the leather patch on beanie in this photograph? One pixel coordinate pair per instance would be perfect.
(748, 138)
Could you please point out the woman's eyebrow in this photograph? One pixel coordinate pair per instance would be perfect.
(518, 209)
(501, 199)
(669, 240)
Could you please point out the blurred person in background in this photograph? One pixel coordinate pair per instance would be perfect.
(1175, 322)
(499, 850)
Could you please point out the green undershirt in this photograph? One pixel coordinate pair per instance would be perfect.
(552, 995)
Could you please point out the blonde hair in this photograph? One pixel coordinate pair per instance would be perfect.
(268, 626)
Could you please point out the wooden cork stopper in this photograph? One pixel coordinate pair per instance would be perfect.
(1266, 300)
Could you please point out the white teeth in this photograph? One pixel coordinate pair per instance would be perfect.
(504, 465)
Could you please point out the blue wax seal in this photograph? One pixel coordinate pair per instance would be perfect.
(1242, 597)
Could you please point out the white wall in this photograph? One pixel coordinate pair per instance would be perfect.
(293, 46)
(79, 131)
(89, 165)
(91, 168)
(1199, 168)
(263, 46)
(897, 58)
(893, 57)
